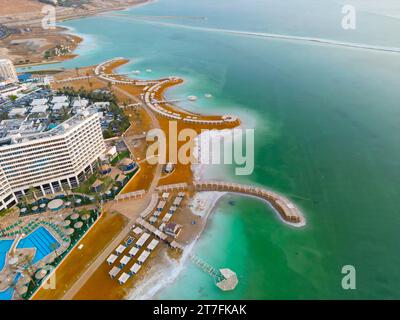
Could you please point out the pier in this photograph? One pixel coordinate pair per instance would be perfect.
(286, 209)
(225, 279)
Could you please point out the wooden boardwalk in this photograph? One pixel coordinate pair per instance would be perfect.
(286, 209)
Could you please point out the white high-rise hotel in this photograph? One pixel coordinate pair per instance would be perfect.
(50, 160)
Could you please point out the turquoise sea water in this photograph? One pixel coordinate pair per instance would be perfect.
(327, 122)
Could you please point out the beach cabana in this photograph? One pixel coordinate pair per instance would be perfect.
(137, 231)
(143, 256)
(124, 261)
(135, 268)
(156, 214)
(152, 245)
(167, 217)
(161, 205)
(114, 271)
(111, 259)
(177, 201)
(153, 219)
(172, 210)
(120, 249)
(133, 251)
(123, 278)
(165, 195)
(143, 238)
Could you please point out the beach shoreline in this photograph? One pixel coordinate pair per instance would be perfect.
(27, 55)
(166, 268)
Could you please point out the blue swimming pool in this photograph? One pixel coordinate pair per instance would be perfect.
(7, 294)
(42, 240)
(5, 245)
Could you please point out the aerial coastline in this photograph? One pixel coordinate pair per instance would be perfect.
(165, 269)
(27, 44)
(153, 277)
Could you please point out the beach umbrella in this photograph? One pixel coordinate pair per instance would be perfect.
(85, 217)
(40, 274)
(74, 216)
(78, 225)
(22, 290)
(69, 231)
(66, 223)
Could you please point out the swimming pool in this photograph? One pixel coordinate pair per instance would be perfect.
(5, 245)
(42, 240)
(8, 293)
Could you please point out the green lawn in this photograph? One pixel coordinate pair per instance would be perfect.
(120, 156)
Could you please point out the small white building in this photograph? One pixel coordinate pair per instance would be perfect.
(125, 259)
(152, 245)
(17, 112)
(143, 257)
(111, 259)
(38, 102)
(133, 251)
(59, 99)
(135, 268)
(143, 238)
(165, 195)
(80, 103)
(39, 108)
(58, 106)
(123, 278)
(120, 249)
(114, 272)
(167, 217)
(137, 231)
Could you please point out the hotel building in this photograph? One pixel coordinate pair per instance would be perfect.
(7, 71)
(51, 160)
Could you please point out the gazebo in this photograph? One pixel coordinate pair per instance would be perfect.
(127, 164)
(97, 185)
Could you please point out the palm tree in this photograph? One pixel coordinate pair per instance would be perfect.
(24, 200)
(65, 113)
(28, 267)
(77, 71)
(53, 246)
(68, 192)
(32, 193)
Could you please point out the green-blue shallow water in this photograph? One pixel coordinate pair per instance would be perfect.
(327, 124)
